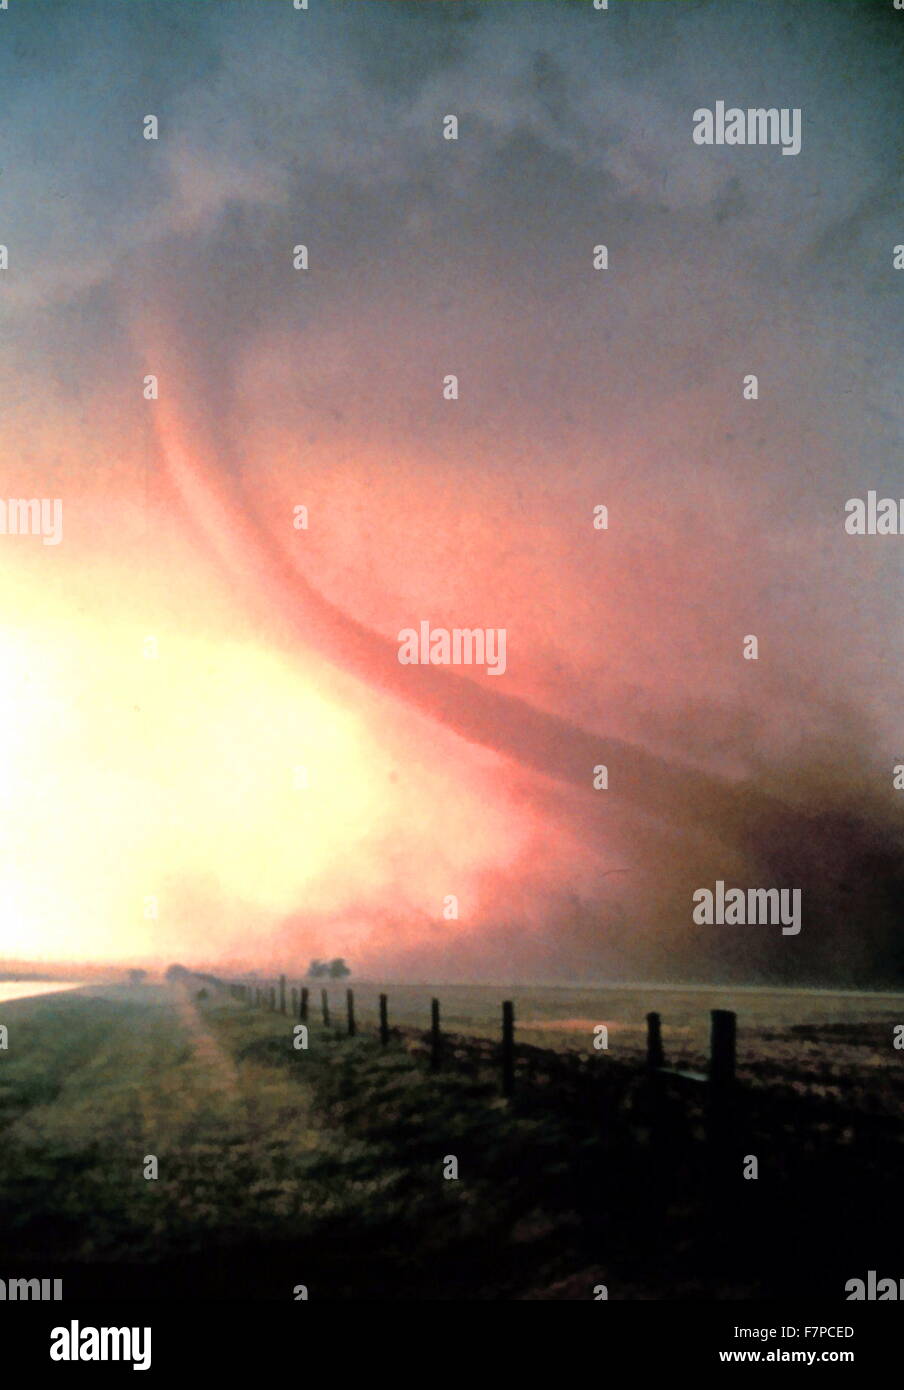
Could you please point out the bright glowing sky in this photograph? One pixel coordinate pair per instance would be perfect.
(123, 777)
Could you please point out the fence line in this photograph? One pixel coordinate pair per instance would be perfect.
(718, 1082)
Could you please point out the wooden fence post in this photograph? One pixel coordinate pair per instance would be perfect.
(722, 1052)
(508, 1048)
(325, 1005)
(384, 1020)
(435, 1036)
(282, 994)
(722, 1048)
(350, 1009)
(273, 999)
(294, 1001)
(303, 1005)
(655, 1054)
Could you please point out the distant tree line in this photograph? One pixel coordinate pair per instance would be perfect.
(333, 969)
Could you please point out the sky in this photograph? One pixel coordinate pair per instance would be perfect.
(209, 750)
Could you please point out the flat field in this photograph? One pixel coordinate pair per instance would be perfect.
(329, 1167)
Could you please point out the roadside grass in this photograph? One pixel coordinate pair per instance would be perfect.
(388, 1132)
(330, 1165)
(339, 1149)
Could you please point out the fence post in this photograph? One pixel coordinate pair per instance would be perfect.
(273, 999)
(722, 1047)
(325, 1005)
(508, 1048)
(303, 1005)
(435, 1036)
(384, 1020)
(350, 1008)
(722, 1053)
(655, 1054)
(282, 994)
(294, 999)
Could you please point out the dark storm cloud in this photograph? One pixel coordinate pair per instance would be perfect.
(575, 128)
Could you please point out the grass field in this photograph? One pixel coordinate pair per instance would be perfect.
(564, 1018)
(280, 1167)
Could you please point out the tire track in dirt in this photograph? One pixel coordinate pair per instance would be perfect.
(217, 1063)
